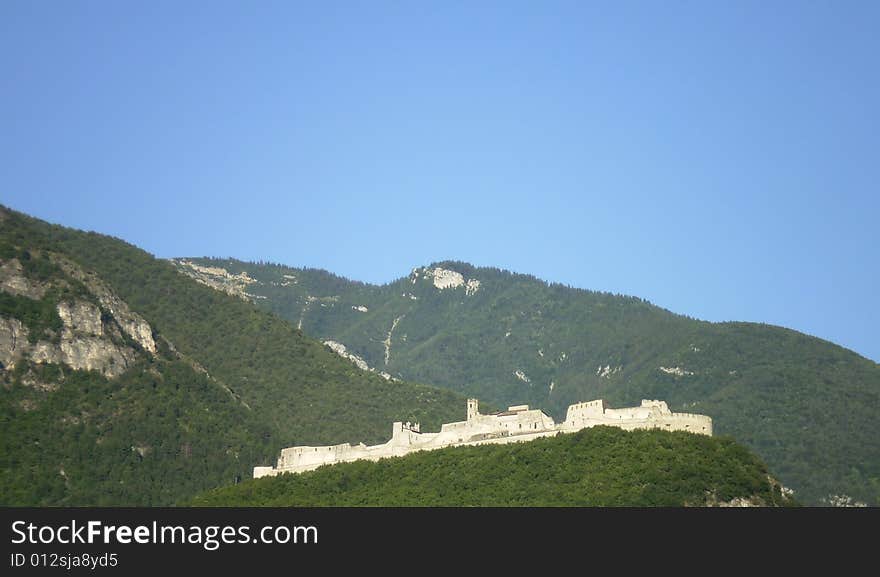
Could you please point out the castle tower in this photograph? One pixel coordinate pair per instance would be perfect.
(473, 408)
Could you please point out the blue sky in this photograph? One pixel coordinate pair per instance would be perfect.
(719, 159)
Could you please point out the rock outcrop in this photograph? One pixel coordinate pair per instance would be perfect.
(131, 323)
(93, 330)
(358, 361)
(13, 281)
(13, 341)
(219, 278)
(443, 279)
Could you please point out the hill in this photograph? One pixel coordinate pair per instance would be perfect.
(602, 466)
(123, 382)
(808, 407)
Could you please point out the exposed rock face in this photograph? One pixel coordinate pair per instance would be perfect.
(677, 371)
(219, 278)
(134, 325)
(607, 371)
(842, 501)
(445, 279)
(85, 343)
(387, 341)
(90, 338)
(359, 362)
(13, 341)
(81, 317)
(95, 354)
(340, 350)
(13, 281)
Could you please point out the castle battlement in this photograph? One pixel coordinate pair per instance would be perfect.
(517, 424)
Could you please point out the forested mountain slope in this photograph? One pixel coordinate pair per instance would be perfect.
(808, 407)
(125, 382)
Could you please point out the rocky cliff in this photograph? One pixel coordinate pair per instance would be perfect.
(97, 330)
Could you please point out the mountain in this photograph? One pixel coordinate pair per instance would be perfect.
(602, 466)
(124, 382)
(808, 407)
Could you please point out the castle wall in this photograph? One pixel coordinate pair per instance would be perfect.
(649, 415)
(517, 424)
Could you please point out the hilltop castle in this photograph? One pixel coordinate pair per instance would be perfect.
(516, 424)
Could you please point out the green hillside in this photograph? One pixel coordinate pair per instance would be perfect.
(808, 407)
(603, 466)
(226, 388)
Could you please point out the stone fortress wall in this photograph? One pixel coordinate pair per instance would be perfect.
(516, 424)
(649, 415)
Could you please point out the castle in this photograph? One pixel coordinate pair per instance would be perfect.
(516, 424)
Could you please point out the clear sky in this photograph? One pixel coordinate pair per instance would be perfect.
(720, 159)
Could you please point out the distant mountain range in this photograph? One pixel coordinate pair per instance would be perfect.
(125, 382)
(807, 406)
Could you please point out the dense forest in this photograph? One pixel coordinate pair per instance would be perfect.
(155, 435)
(602, 466)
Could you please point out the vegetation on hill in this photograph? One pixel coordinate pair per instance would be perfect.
(808, 407)
(157, 434)
(602, 466)
(230, 386)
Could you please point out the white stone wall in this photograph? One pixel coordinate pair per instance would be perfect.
(517, 424)
(649, 415)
